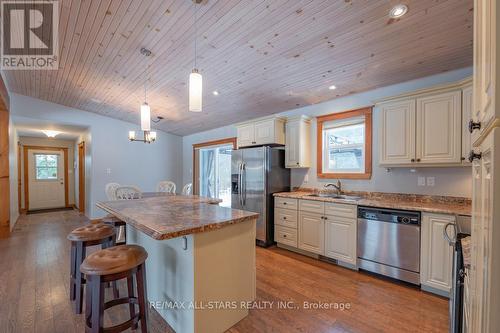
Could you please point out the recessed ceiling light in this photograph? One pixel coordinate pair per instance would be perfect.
(332, 87)
(398, 11)
(51, 134)
(95, 100)
(216, 93)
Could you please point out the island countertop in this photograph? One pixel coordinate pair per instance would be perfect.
(174, 215)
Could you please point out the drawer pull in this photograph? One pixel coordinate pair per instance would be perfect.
(284, 236)
(284, 217)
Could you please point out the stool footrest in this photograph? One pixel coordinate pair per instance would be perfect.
(118, 301)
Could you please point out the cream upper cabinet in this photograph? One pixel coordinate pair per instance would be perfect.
(485, 71)
(426, 128)
(269, 130)
(466, 116)
(246, 135)
(436, 258)
(311, 232)
(397, 132)
(439, 129)
(297, 146)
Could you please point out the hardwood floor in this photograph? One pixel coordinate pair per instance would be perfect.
(34, 290)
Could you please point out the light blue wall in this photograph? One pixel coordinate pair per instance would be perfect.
(449, 181)
(108, 147)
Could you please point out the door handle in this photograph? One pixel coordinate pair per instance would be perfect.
(240, 185)
(244, 181)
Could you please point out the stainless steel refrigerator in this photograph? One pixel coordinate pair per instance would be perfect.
(257, 173)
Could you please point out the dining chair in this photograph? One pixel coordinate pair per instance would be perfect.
(166, 186)
(110, 190)
(128, 193)
(186, 190)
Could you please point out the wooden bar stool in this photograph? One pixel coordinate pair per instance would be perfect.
(81, 238)
(117, 224)
(109, 265)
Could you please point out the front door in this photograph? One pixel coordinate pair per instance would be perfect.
(46, 179)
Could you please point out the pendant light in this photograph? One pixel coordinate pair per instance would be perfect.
(195, 78)
(149, 136)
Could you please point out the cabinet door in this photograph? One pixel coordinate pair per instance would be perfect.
(311, 232)
(476, 269)
(292, 145)
(436, 254)
(439, 129)
(397, 133)
(340, 239)
(484, 61)
(466, 116)
(264, 132)
(246, 135)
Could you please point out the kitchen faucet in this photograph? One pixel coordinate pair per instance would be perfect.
(337, 186)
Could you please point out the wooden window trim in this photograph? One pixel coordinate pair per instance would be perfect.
(368, 113)
(207, 144)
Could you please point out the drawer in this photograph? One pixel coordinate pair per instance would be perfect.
(312, 206)
(287, 203)
(284, 235)
(342, 210)
(285, 217)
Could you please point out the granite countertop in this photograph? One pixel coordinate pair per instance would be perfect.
(430, 204)
(173, 216)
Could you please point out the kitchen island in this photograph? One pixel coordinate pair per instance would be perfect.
(201, 263)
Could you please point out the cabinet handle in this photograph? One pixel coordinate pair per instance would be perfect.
(253, 142)
(412, 160)
(474, 126)
(473, 156)
(284, 236)
(326, 218)
(284, 203)
(284, 217)
(418, 159)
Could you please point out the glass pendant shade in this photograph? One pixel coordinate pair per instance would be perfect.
(195, 91)
(145, 117)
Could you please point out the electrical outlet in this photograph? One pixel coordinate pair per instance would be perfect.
(306, 178)
(108, 171)
(421, 181)
(431, 181)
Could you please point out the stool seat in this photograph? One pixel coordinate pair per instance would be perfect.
(91, 232)
(114, 260)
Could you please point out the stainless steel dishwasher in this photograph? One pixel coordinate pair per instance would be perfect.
(389, 243)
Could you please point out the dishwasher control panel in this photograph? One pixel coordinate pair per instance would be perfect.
(389, 215)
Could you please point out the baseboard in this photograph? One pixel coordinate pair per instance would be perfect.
(299, 251)
(435, 291)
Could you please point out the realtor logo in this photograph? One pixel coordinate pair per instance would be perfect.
(29, 35)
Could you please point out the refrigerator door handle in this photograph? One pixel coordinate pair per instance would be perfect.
(244, 181)
(240, 197)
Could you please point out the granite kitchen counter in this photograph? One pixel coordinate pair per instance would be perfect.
(430, 204)
(174, 215)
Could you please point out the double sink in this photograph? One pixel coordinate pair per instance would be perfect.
(334, 196)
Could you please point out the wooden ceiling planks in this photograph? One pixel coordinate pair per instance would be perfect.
(263, 56)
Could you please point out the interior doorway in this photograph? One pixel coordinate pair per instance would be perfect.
(81, 177)
(46, 178)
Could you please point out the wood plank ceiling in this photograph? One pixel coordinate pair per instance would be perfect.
(263, 56)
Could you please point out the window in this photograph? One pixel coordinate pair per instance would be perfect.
(46, 166)
(345, 144)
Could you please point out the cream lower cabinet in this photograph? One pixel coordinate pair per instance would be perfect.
(311, 232)
(436, 255)
(339, 235)
(285, 221)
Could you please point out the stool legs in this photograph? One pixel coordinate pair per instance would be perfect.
(142, 295)
(72, 285)
(130, 287)
(80, 256)
(97, 309)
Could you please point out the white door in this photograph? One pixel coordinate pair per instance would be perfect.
(264, 132)
(246, 135)
(340, 242)
(311, 232)
(436, 254)
(397, 134)
(46, 179)
(466, 116)
(292, 148)
(439, 129)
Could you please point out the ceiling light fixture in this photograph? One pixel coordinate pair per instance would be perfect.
(332, 87)
(195, 78)
(216, 93)
(50, 133)
(398, 11)
(149, 136)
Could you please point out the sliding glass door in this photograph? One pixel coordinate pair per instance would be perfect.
(213, 168)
